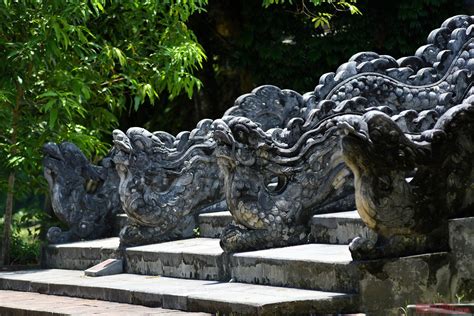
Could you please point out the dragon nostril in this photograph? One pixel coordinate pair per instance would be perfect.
(276, 184)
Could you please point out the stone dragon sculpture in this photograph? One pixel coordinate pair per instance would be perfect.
(164, 182)
(84, 196)
(278, 151)
(167, 181)
(275, 180)
(408, 185)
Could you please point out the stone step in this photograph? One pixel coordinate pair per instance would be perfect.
(80, 255)
(16, 303)
(195, 258)
(211, 225)
(311, 266)
(338, 228)
(330, 266)
(331, 228)
(187, 295)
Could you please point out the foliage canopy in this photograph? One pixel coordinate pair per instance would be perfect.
(70, 67)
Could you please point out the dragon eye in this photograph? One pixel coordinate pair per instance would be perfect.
(276, 184)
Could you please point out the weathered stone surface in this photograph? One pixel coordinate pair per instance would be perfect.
(84, 196)
(190, 295)
(276, 179)
(440, 163)
(386, 285)
(461, 242)
(338, 228)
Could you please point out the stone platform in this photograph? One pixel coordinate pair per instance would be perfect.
(196, 275)
(330, 266)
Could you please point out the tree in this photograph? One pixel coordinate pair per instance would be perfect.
(68, 68)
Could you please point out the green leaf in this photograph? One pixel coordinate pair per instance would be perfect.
(136, 102)
(47, 94)
(53, 115)
(48, 106)
(119, 55)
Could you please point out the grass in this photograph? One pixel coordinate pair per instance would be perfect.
(25, 245)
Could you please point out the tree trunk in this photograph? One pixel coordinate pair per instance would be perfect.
(7, 223)
(7, 220)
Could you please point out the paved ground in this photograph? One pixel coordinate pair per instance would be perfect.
(34, 304)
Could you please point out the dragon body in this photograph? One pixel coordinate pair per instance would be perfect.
(84, 196)
(276, 179)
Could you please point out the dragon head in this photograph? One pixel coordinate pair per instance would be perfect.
(374, 141)
(268, 182)
(157, 170)
(65, 163)
(84, 196)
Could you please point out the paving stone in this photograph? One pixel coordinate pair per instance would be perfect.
(190, 295)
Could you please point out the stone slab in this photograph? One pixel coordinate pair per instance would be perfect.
(15, 303)
(212, 224)
(338, 228)
(189, 295)
(107, 267)
(311, 266)
(80, 255)
(330, 228)
(388, 284)
(196, 258)
(461, 242)
(228, 298)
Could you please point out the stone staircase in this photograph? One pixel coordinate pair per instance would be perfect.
(196, 275)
